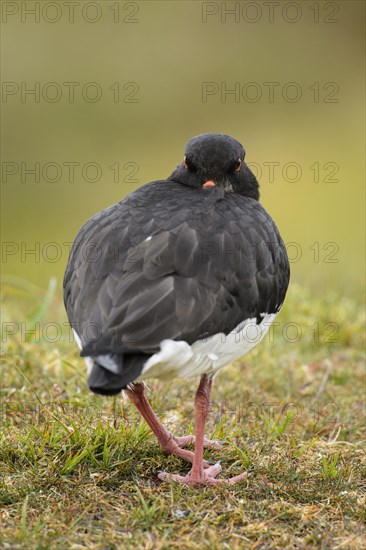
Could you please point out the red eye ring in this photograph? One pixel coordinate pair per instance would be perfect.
(238, 165)
(185, 162)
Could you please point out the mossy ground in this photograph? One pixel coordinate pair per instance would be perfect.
(80, 471)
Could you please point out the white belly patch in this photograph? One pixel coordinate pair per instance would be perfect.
(206, 356)
(88, 360)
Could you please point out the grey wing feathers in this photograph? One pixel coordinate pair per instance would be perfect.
(170, 278)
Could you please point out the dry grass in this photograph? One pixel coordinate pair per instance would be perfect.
(79, 471)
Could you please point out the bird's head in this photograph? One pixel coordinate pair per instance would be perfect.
(212, 160)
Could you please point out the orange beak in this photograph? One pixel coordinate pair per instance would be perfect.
(209, 183)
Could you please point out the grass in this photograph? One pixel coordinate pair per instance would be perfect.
(80, 471)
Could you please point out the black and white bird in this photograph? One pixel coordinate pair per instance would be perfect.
(180, 278)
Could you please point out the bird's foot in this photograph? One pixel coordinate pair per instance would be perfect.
(174, 445)
(207, 476)
(191, 440)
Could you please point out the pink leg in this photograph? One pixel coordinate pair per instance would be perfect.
(167, 440)
(200, 474)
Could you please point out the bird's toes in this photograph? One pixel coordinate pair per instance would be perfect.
(165, 476)
(209, 477)
(191, 439)
(212, 444)
(206, 477)
(185, 440)
(231, 480)
(183, 453)
(212, 471)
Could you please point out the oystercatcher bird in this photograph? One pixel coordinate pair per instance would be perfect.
(180, 278)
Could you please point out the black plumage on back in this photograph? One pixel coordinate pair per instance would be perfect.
(174, 260)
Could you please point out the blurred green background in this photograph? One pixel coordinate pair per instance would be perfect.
(168, 51)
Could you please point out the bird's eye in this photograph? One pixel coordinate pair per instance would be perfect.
(189, 164)
(238, 165)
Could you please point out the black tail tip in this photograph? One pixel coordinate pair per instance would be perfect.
(104, 382)
(105, 392)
